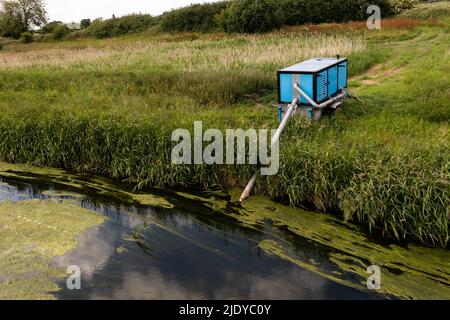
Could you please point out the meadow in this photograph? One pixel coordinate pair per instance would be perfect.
(108, 107)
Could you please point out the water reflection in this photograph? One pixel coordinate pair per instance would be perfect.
(145, 253)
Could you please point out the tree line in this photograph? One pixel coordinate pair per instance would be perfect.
(19, 18)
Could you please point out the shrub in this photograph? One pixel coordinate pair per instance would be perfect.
(322, 11)
(26, 37)
(197, 18)
(131, 24)
(398, 6)
(10, 27)
(60, 32)
(252, 16)
(154, 30)
(1, 46)
(50, 27)
(85, 23)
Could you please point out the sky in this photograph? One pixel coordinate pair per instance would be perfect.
(75, 10)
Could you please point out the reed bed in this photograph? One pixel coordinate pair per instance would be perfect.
(50, 57)
(229, 53)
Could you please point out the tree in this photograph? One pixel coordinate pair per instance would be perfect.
(17, 16)
(85, 23)
(252, 16)
(9, 26)
(196, 17)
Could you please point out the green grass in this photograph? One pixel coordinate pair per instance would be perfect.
(428, 11)
(109, 107)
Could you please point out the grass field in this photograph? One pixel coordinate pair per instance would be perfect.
(109, 107)
(429, 11)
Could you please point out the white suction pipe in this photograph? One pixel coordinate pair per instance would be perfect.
(275, 139)
(324, 104)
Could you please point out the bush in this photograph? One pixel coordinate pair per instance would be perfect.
(50, 27)
(26, 37)
(10, 27)
(252, 16)
(60, 32)
(322, 11)
(197, 18)
(1, 46)
(398, 6)
(85, 23)
(131, 24)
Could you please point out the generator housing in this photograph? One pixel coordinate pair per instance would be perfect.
(320, 78)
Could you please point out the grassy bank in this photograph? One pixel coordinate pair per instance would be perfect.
(109, 107)
(429, 11)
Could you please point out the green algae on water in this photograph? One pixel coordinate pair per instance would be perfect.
(61, 194)
(33, 232)
(151, 200)
(408, 272)
(15, 167)
(103, 186)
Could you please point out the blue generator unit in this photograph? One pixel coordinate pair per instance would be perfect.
(318, 84)
(308, 88)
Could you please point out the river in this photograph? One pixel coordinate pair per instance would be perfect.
(181, 245)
